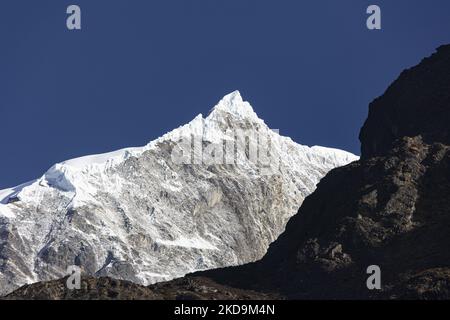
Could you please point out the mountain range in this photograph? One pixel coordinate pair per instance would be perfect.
(212, 193)
(390, 209)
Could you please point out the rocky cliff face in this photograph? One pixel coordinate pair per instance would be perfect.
(185, 202)
(390, 209)
(416, 104)
(393, 213)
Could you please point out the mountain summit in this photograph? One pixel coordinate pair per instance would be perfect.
(212, 193)
(235, 105)
(389, 211)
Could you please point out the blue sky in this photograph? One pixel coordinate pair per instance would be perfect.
(138, 69)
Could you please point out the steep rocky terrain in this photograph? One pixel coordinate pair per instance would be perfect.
(212, 193)
(391, 209)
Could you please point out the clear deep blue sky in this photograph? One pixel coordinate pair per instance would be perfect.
(138, 69)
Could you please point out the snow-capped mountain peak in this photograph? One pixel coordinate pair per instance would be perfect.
(233, 104)
(137, 214)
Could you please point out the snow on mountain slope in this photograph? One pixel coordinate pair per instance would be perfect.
(160, 211)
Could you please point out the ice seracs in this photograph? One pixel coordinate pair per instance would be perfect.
(136, 214)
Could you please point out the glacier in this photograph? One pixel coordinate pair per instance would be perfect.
(138, 215)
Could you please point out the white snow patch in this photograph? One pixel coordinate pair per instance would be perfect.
(6, 194)
(6, 212)
(103, 158)
(198, 243)
(339, 155)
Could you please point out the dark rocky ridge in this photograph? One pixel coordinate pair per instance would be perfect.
(391, 209)
(416, 104)
(105, 288)
(102, 288)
